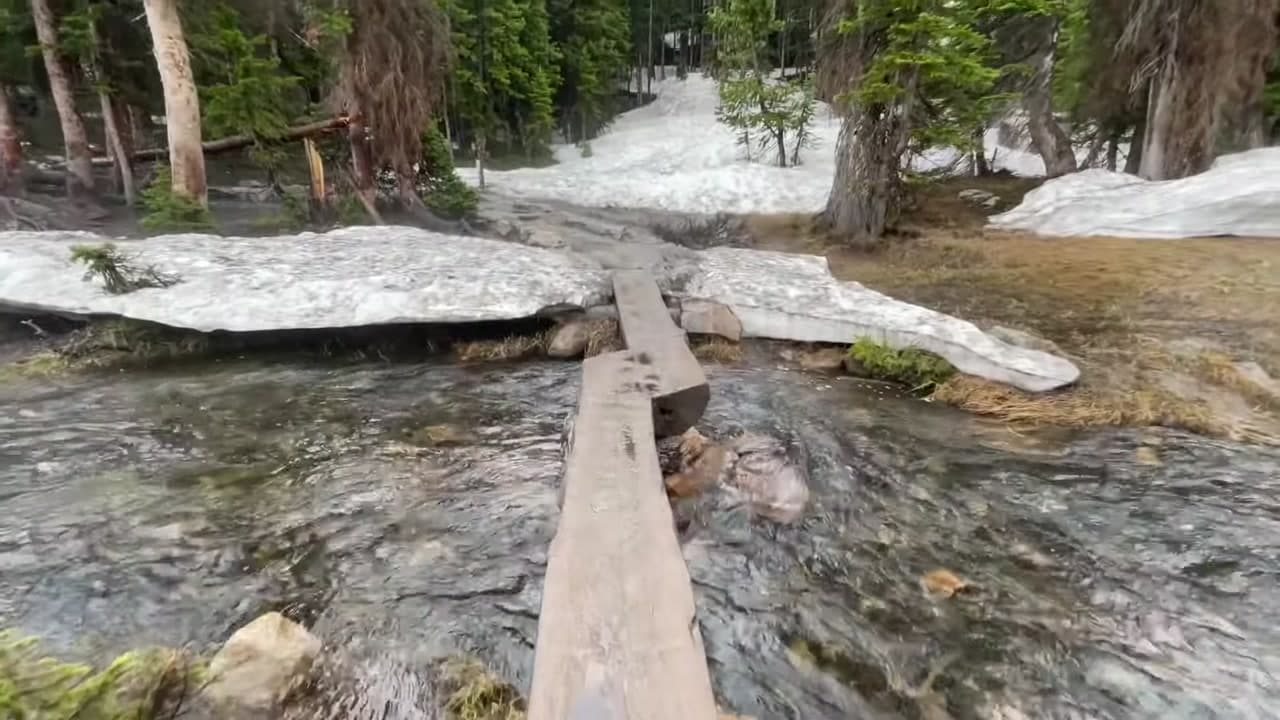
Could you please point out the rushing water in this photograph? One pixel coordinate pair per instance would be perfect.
(403, 512)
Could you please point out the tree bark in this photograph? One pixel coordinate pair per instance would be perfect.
(866, 197)
(1113, 151)
(1134, 160)
(74, 137)
(1051, 142)
(362, 166)
(10, 146)
(181, 104)
(116, 147)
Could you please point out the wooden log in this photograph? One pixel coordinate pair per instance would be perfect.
(237, 142)
(680, 389)
(617, 635)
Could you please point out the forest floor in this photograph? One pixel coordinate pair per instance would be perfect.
(1161, 329)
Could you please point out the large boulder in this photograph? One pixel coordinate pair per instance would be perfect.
(704, 317)
(260, 665)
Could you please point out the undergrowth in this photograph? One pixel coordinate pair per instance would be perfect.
(438, 182)
(169, 212)
(138, 685)
(917, 369)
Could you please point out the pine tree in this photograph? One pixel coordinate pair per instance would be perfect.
(924, 76)
(592, 38)
(760, 109)
(506, 71)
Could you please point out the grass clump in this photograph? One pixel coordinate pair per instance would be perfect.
(138, 685)
(514, 347)
(118, 274)
(474, 693)
(919, 370)
(169, 212)
(716, 350)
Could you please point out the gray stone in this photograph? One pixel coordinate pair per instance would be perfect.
(775, 484)
(570, 339)
(1024, 339)
(980, 198)
(705, 317)
(261, 664)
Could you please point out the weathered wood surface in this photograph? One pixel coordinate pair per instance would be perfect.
(679, 386)
(617, 636)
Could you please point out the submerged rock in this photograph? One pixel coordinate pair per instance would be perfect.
(774, 484)
(260, 665)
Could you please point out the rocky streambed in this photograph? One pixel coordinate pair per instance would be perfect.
(943, 566)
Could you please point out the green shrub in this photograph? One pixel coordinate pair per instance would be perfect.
(118, 275)
(170, 212)
(917, 369)
(138, 685)
(438, 182)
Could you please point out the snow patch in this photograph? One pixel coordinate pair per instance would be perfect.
(1239, 195)
(372, 276)
(673, 155)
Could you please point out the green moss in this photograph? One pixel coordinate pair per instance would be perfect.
(138, 685)
(40, 365)
(917, 369)
(474, 693)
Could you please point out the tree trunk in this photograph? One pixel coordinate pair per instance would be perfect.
(1113, 151)
(181, 104)
(116, 147)
(10, 147)
(361, 160)
(1051, 142)
(1134, 160)
(866, 197)
(74, 137)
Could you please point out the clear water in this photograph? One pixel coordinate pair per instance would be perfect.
(171, 507)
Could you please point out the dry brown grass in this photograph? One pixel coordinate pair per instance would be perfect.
(513, 347)
(716, 350)
(1128, 312)
(603, 336)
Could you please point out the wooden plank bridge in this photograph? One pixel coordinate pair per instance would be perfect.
(617, 635)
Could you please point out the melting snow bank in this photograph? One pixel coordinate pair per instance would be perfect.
(673, 154)
(384, 275)
(1239, 195)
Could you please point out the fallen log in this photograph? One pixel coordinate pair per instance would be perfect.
(237, 142)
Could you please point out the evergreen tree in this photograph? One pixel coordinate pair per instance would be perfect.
(505, 71)
(593, 43)
(925, 77)
(762, 110)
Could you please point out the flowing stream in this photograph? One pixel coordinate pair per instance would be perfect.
(403, 512)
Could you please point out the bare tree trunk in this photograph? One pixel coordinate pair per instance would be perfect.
(1134, 160)
(981, 167)
(116, 147)
(362, 165)
(1113, 151)
(10, 147)
(866, 197)
(1050, 140)
(74, 136)
(181, 104)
